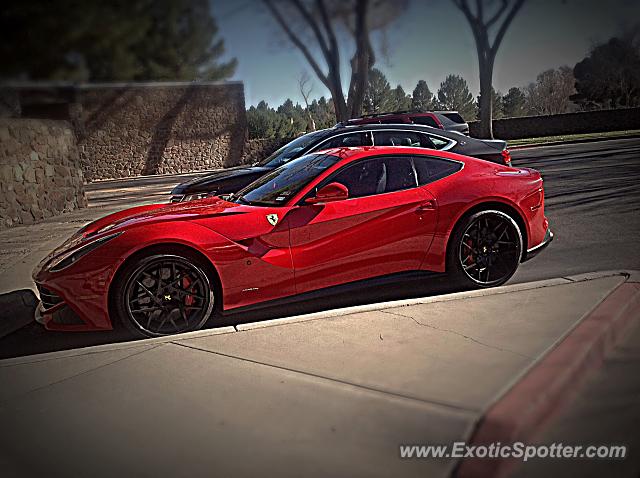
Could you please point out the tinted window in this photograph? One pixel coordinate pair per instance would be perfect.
(432, 169)
(445, 120)
(280, 185)
(376, 176)
(425, 120)
(291, 150)
(454, 117)
(397, 138)
(345, 140)
(400, 173)
(363, 178)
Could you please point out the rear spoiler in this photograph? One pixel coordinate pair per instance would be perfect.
(498, 144)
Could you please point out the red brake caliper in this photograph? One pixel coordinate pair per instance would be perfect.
(470, 244)
(188, 300)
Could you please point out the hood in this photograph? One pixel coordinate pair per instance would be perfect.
(203, 208)
(220, 175)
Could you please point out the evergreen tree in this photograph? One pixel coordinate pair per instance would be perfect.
(121, 40)
(399, 100)
(514, 103)
(180, 45)
(454, 94)
(261, 121)
(377, 96)
(323, 113)
(422, 98)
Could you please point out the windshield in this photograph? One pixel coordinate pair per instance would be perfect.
(277, 187)
(290, 150)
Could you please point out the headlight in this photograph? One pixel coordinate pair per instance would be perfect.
(71, 257)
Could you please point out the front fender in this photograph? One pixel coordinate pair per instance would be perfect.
(246, 276)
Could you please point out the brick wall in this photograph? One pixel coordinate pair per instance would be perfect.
(39, 169)
(568, 123)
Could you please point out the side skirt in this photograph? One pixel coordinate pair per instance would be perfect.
(360, 285)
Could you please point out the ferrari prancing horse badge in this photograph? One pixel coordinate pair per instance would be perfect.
(273, 219)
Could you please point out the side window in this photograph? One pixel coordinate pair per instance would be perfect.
(431, 169)
(438, 142)
(341, 141)
(425, 120)
(363, 178)
(376, 176)
(397, 138)
(400, 173)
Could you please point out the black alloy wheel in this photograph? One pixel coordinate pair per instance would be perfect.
(487, 249)
(165, 295)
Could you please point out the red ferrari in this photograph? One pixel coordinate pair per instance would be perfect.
(324, 219)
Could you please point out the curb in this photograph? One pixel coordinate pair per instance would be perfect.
(552, 382)
(574, 141)
(17, 310)
(316, 316)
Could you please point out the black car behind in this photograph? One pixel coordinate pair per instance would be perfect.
(230, 180)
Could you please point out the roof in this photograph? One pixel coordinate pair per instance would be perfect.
(355, 152)
(405, 126)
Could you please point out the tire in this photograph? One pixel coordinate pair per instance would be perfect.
(163, 294)
(485, 249)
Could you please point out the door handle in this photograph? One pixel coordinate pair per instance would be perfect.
(429, 205)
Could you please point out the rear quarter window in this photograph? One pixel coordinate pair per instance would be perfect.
(431, 169)
(455, 117)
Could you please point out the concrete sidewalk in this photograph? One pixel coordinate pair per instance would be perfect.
(326, 394)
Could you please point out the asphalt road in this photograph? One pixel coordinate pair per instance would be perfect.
(592, 202)
(592, 193)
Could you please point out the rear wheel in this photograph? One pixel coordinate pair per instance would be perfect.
(486, 249)
(164, 294)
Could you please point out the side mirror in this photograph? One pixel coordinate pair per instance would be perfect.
(329, 193)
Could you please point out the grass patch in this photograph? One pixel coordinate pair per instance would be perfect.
(573, 137)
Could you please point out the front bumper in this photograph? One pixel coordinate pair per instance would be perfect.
(534, 251)
(60, 318)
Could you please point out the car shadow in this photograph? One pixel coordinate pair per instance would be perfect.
(34, 339)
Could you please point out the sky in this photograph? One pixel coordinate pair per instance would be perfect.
(428, 41)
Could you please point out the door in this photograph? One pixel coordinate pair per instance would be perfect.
(386, 226)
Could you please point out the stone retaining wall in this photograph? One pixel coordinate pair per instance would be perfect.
(39, 169)
(133, 129)
(563, 124)
(258, 149)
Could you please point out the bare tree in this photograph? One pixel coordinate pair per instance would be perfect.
(321, 19)
(551, 93)
(305, 91)
(501, 17)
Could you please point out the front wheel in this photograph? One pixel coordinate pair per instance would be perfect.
(163, 294)
(486, 249)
